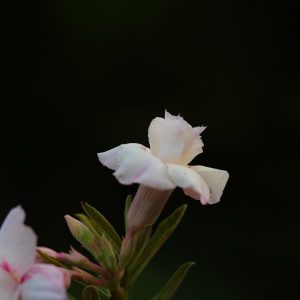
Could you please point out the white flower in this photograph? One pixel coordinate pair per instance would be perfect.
(173, 145)
(20, 276)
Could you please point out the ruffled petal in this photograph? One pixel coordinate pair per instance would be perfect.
(134, 163)
(8, 286)
(17, 241)
(165, 139)
(44, 282)
(190, 181)
(173, 140)
(216, 180)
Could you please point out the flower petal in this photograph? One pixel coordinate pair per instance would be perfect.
(216, 180)
(192, 183)
(8, 286)
(134, 163)
(44, 282)
(17, 241)
(173, 140)
(165, 141)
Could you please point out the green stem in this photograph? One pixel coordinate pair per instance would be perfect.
(117, 291)
(120, 294)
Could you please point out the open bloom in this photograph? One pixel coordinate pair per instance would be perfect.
(159, 169)
(20, 277)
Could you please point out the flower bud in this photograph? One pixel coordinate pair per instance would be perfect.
(99, 246)
(83, 235)
(83, 276)
(73, 258)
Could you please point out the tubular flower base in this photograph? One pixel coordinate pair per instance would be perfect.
(146, 206)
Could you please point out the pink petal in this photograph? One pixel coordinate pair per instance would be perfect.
(8, 286)
(134, 163)
(216, 180)
(191, 182)
(173, 140)
(17, 241)
(44, 282)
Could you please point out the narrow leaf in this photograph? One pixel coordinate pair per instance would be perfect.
(127, 205)
(162, 233)
(91, 293)
(102, 225)
(174, 282)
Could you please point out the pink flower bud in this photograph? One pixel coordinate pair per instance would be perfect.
(87, 278)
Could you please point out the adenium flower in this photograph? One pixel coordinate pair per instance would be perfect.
(20, 277)
(164, 166)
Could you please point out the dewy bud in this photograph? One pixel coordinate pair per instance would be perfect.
(99, 246)
(82, 234)
(107, 255)
(146, 207)
(79, 231)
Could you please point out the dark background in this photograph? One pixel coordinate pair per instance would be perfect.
(81, 77)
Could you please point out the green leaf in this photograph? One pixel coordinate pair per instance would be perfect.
(102, 225)
(127, 205)
(162, 233)
(90, 293)
(174, 282)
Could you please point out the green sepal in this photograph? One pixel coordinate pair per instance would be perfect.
(140, 241)
(102, 225)
(127, 205)
(138, 244)
(173, 283)
(162, 233)
(90, 293)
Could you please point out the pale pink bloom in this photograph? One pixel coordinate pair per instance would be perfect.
(20, 277)
(173, 145)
